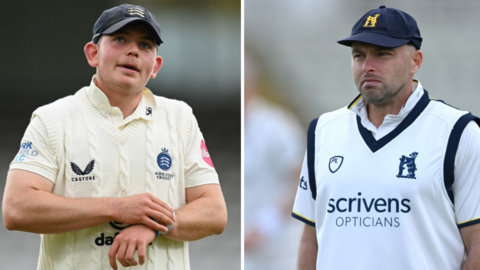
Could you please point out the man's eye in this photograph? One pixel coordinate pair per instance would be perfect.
(119, 39)
(146, 45)
(357, 56)
(383, 54)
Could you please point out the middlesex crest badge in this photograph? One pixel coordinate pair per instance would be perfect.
(409, 164)
(164, 160)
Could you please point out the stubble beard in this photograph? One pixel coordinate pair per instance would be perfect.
(385, 93)
(381, 96)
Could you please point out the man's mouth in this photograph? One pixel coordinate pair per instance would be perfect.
(370, 81)
(133, 68)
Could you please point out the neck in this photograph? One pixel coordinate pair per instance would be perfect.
(377, 113)
(126, 100)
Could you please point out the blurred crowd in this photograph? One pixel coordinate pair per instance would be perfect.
(273, 152)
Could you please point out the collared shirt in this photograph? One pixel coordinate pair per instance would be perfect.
(69, 143)
(390, 121)
(198, 165)
(355, 173)
(146, 107)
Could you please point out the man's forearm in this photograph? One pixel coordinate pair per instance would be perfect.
(473, 253)
(307, 252)
(29, 205)
(204, 216)
(472, 263)
(55, 214)
(471, 240)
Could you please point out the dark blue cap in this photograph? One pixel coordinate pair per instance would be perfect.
(385, 27)
(115, 18)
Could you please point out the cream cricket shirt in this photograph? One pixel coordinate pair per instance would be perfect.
(87, 149)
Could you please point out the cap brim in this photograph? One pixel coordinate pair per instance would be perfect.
(119, 25)
(375, 39)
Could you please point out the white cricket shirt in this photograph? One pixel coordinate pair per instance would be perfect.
(396, 201)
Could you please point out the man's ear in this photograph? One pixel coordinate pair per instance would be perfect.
(417, 60)
(158, 65)
(91, 52)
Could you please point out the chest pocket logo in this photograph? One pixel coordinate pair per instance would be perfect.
(164, 160)
(79, 171)
(409, 163)
(335, 163)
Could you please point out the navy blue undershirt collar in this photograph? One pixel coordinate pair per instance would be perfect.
(375, 145)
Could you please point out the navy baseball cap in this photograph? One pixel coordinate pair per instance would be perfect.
(115, 18)
(385, 27)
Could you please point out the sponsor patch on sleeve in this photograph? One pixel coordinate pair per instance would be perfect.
(26, 149)
(205, 154)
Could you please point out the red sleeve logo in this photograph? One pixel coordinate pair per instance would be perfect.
(205, 154)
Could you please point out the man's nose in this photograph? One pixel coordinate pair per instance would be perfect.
(369, 64)
(133, 49)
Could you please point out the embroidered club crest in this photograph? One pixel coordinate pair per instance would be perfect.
(335, 163)
(136, 11)
(409, 164)
(164, 160)
(371, 21)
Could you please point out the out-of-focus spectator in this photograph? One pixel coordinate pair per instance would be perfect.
(274, 143)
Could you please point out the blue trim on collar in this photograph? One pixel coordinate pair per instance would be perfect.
(354, 101)
(375, 145)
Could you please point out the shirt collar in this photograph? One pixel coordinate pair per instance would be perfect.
(146, 108)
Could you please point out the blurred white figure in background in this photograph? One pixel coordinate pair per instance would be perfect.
(274, 143)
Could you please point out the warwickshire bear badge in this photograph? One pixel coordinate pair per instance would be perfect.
(409, 164)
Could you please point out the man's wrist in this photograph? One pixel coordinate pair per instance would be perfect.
(157, 233)
(169, 227)
(111, 206)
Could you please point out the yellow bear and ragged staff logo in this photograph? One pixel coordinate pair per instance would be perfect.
(371, 21)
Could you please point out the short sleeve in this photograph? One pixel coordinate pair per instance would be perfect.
(199, 168)
(304, 206)
(467, 177)
(35, 154)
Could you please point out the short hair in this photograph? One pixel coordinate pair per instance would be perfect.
(412, 44)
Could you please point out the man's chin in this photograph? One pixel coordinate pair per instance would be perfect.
(373, 96)
(371, 91)
(128, 82)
